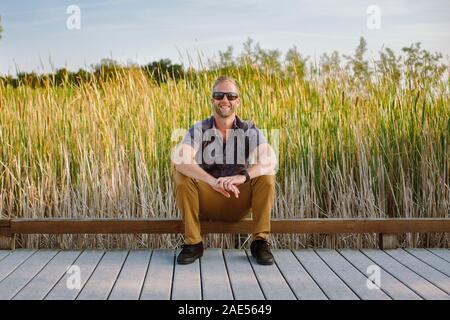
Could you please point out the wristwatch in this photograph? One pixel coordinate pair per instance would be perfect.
(247, 176)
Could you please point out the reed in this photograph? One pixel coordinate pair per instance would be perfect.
(102, 149)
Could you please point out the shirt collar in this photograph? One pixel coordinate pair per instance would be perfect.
(235, 122)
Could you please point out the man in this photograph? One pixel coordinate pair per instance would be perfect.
(227, 170)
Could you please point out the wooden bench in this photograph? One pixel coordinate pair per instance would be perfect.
(387, 229)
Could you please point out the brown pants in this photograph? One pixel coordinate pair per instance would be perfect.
(198, 201)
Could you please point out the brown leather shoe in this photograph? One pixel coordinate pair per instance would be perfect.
(261, 252)
(190, 253)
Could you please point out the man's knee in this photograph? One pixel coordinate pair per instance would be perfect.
(182, 181)
(267, 181)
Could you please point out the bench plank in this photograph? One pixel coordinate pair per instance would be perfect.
(271, 281)
(131, 278)
(15, 281)
(158, 282)
(187, 281)
(389, 284)
(418, 284)
(350, 275)
(43, 282)
(437, 278)
(304, 225)
(87, 261)
(105, 275)
(242, 278)
(215, 281)
(431, 259)
(328, 281)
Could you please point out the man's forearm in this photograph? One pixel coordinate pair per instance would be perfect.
(195, 171)
(260, 170)
(266, 163)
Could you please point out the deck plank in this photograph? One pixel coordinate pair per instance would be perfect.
(187, 281)
(19, 278)
(304, 287)
(87, 261)
(350, 275)
(4, 253)
(441, 252)
(418, 284)
(437, 278)
(158, 282)
(328, 281)
(14, 260)
(431, 259)
(389, 284)
(271, 281)
(215, 281)
(43, 282)
(224, 274)
(242, 278)
(104, 277)
(131, 278)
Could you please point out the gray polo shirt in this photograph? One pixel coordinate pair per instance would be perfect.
(223, 159)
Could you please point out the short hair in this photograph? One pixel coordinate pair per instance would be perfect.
(221, 79)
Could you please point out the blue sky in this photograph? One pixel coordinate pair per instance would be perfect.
(36, 38)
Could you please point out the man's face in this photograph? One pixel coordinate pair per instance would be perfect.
(225, 108)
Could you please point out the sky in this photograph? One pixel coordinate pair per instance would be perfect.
(36, 36)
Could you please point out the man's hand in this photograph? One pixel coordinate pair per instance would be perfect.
(230, 183)
(225, 184)
(219, 188)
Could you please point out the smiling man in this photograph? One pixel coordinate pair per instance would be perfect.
(225, 170)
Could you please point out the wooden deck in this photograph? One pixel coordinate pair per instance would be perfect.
(225, 275)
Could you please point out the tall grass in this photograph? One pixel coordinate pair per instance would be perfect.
(102, 149)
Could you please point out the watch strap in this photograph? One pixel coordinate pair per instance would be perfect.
(247, 176)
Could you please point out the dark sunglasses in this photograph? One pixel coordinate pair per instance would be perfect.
(230, 95)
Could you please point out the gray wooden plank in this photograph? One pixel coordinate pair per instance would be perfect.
(441, 252)
(187, 281)
(4, 253)
(43, 282)
(215, 281)
(242, 278)
(437, 278)
(303, 285)
(350, 275)
(431, 259)
(14, 260)
(271, 281)
(86, 262)
(15, 281)
(131, 279)
(105, 275)
(388, 284)
(329, 282)
(418, 284)
(158, 282)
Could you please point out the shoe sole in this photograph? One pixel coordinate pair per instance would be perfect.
(264, 263)
(189, 262)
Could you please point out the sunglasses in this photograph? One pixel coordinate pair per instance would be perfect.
(231, 96)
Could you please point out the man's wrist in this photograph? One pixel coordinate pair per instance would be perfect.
(211, 180)
(246, 175)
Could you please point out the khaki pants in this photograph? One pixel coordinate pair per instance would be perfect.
(198, 201)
